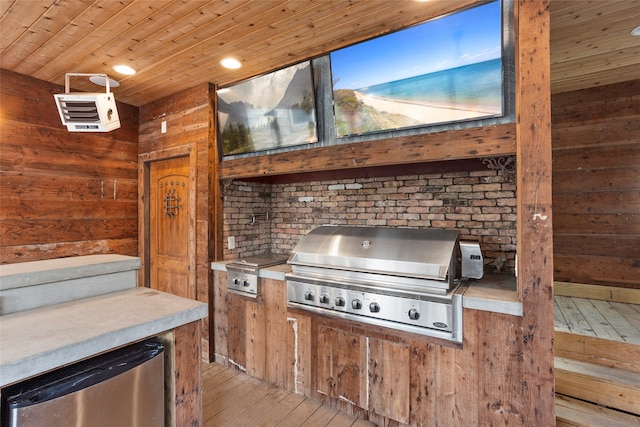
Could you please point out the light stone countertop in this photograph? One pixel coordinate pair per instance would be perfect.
(59, 269)
(39, 340)
(494, 292)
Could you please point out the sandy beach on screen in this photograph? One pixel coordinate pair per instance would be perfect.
(421, 112)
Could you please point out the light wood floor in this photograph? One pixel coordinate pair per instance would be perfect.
(610, 320)
(232, 398)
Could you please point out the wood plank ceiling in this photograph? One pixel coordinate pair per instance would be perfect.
(175, 45)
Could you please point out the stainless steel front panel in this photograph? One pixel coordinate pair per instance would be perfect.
(436, 316)
(423, 253)
(134, 398)
(244, 282)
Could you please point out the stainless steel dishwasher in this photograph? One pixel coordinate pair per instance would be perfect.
(122, 388)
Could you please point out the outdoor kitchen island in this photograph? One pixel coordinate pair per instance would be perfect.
(72, 309)
(376, 372)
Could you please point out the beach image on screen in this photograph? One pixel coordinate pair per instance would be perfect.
(445, 70)
(271, 111)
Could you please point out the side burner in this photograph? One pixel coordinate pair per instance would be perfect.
(242, 274)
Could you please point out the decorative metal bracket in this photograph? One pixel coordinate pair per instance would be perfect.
(506, 165)
(171, 202)
(225, 184)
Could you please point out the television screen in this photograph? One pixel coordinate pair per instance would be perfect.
(445, 70)
(271, 111)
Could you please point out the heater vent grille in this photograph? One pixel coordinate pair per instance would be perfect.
(78, 111)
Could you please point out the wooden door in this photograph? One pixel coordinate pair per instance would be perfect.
(170, 227)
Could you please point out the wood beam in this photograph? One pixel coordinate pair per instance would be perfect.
(535, 245)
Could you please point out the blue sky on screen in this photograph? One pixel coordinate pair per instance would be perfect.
(467, 37)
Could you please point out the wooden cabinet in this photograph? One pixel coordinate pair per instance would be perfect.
(385, 375)
(389, 379)
(342, 365)
(256, 335)
(367, 372)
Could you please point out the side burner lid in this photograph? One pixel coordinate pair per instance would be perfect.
(259, 261)
(424, 253)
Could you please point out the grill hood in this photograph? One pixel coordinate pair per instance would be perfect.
(421, 253)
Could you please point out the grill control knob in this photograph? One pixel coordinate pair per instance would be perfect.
(356, 304)
(324, 299)
(236, 281)
(246, 283)
(374, 307)
(413, 314)
(308, 296)
(340, 302)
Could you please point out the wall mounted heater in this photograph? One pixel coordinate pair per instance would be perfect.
(85, 111)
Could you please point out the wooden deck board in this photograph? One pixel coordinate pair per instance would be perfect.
(574, 412)
(558, 318)
(278, 412)
(615, 321)
(233, 398)
(574, 318)
(626, 330)
(597, 322)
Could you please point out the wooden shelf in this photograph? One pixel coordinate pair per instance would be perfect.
(487, 141)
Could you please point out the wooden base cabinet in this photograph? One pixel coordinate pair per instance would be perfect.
(395, 378)
(366, 372)
(387, 376)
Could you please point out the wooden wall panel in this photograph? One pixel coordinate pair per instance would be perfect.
(276, 331)
(63, 193)
(189, 117)
(220, 330)
(187, 379)
(596, 185)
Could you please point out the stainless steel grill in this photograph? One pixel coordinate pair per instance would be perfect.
(394, 277)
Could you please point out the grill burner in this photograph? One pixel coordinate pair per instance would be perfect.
(242, 274)
(394, 277)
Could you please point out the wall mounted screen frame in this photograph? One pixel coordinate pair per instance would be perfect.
(446, 70)
(268, 112)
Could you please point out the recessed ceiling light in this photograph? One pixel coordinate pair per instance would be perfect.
(231, 63)
(124, 69)
(636, 31)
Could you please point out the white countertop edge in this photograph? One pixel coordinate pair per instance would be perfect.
(497, 306)
(275, 272)
(32, 365)
(59, 269)
(219, 265)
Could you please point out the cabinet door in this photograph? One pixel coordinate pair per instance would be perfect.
(389, 379)
(247, 335)
(342, 365)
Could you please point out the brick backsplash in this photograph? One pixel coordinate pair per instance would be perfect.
(481, 204)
